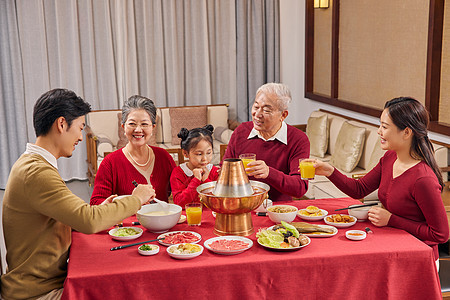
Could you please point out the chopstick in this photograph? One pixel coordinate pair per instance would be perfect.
(135, 244)
(136, 184)
(358, 206)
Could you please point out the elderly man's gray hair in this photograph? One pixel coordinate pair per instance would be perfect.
(281, 91)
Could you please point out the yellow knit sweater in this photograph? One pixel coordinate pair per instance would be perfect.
(38, 214)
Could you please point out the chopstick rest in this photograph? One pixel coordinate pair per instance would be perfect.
(358, 206)
(134, 244)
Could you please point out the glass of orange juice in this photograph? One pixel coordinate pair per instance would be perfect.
(307, 170)
(247, 158)
(194, 213)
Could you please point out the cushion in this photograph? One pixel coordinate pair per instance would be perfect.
(123, 139)
(375, 156)
(186, 117)
(104, 144)
(317, 132)
(349, 144)
(218, 132)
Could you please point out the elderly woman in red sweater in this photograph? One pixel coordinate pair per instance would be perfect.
(137, 161)
(407, 177)
(278, 146)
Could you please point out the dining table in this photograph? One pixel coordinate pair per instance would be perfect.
(388, 264)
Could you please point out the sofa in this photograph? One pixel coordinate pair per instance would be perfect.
(353, 147)
(104, 133)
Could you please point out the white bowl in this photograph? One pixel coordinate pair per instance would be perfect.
(184, 256)
(263, 207)
(355, 235)
(360, 213)
(154, 251)
(158, 223)
(278, 217)
(113, 231)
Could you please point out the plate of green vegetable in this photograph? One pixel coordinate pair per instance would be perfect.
(282, 239)
(125, 233)
(148, 249)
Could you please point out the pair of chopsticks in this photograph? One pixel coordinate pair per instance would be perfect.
(358, 206)
(135, 244)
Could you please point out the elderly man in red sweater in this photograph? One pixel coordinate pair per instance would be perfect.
(278, 146)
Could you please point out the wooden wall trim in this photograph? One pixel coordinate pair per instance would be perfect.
(434, 51)
(309, 46)
(335, 50)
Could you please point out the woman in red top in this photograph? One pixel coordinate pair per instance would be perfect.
(137, 161)
(407, 176)
(197, 146)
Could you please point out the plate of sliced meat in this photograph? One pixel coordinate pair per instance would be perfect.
(179, 237)
(228, 245)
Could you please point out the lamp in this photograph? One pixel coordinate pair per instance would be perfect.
(321, 3)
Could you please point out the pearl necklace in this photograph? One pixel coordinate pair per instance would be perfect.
(140, 165)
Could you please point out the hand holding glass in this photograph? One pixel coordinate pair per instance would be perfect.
(194, 214)
(247, 158)
(307, 170)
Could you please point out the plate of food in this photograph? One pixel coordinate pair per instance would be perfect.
(323, 231)
(125, 233)
(285, 238)
(179, 237)
(228, 245)
(312, 213)
(340, 221)
(185, 250)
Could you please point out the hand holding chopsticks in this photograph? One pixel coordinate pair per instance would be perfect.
(134, 244)
(358, 206)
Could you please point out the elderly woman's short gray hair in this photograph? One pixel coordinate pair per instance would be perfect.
(138, 102)
(280, 91)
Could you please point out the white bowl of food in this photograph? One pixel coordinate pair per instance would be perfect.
(361, 213)
(148, 249)
(263, 207)
(278, 213)
(156, 219)
(185, 251)
(125, 233)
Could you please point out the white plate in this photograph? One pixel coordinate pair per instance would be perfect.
(361, 235)
(208, 242)
(149, 252)
(341, 225)
(126, 238)
(184, 256)
(284, 249)
(323, 234)
(172, 232)
(312, 218)
(182, 219)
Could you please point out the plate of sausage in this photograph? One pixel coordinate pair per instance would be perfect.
(228, 245)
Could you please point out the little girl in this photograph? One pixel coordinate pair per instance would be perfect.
(197, 146)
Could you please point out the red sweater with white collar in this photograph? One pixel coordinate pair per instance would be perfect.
(283, 160)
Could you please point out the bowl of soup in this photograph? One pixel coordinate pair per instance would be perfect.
(156, 219)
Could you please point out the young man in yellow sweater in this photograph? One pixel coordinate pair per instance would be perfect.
(39, 211)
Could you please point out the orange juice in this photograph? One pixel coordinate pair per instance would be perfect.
(247, 158)
(307, 170)
(194, 213)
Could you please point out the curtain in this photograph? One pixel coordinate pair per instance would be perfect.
(13, 118)
(175, 52)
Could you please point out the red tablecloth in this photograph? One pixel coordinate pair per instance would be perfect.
(389, 263)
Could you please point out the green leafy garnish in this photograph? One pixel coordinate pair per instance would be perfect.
(291, 228)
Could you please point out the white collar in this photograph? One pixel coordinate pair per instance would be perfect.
(34, 149)
(281, 134)
(189, 172)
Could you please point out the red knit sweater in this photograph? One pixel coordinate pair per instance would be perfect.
(116, 173)
(413, 198)
(184, 187)
(283, 160)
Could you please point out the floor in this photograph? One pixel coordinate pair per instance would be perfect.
(80, 188)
